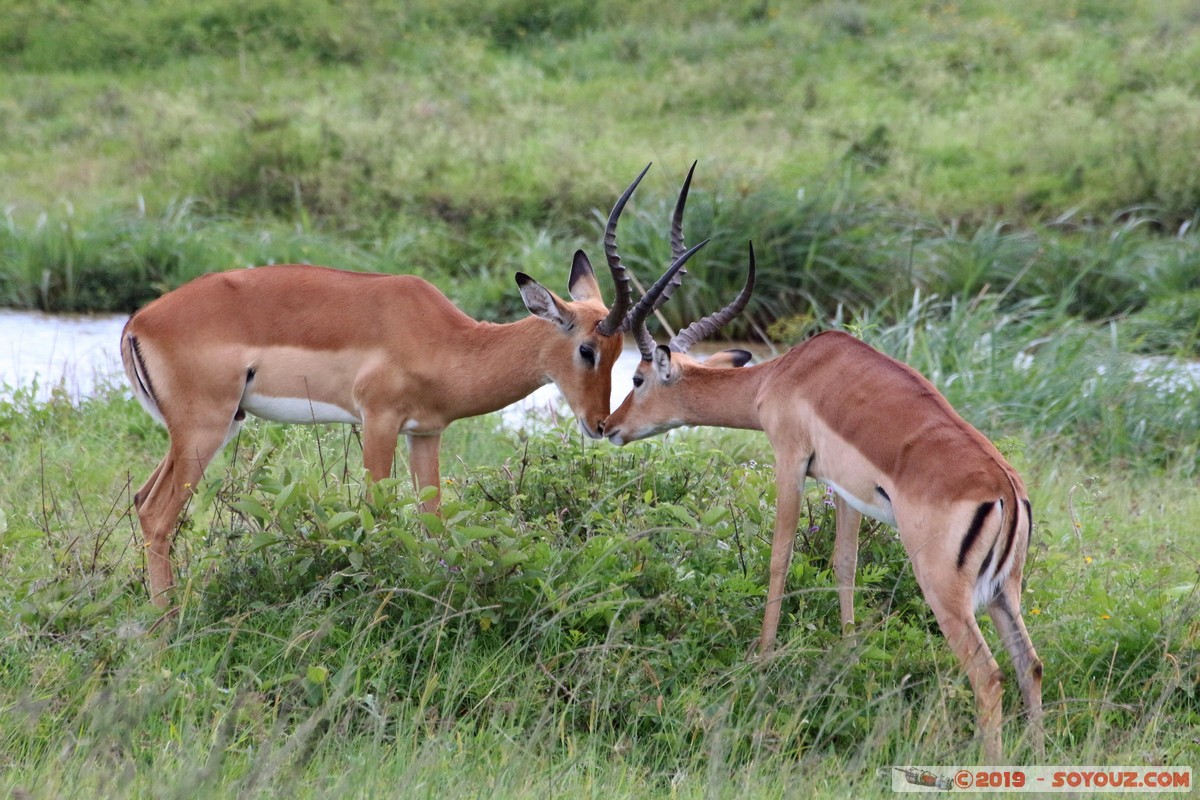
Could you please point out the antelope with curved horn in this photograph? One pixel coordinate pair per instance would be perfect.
(309, 344)
(891, 447)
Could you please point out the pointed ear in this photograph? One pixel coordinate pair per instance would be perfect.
(541, 302)
(662, 364)
(583, 286)
(729, 358)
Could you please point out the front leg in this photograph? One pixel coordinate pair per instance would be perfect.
(426, 470)
(789, 480)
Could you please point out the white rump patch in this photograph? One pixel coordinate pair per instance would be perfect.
(295, 409)
(151, 407)
(989, 583)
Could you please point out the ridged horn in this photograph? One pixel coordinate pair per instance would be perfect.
(677, 246)
(637, 317)
(677, 249)
(709, 325)
(624, 297)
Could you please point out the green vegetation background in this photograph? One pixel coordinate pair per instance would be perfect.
(1004, 195)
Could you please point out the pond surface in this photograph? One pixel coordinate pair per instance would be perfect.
(80, 353)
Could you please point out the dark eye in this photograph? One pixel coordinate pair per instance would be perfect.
(638, 380)
(587, 353)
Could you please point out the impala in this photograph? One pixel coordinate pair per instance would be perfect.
(309, 344)
(891, 447)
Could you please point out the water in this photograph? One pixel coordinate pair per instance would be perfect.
(74, 352)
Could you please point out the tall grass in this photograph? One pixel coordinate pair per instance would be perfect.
(1030, 370)
(821, 255)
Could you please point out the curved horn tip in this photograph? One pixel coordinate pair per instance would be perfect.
(612, 323)
(687, 181)
(633, 185)
(676, 266)
(619, 206)
(677, 216)
(635, 321)
(750, 270)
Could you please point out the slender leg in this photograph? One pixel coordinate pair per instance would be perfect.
(423, 461)
(140, 497)
(952, 605)
(845, 557)
(161, 500)
(158, 565)
(788, 482)
(379, 434)
(1005, 611)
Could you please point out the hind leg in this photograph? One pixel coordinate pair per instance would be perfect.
(845, 557)
(956, 619)
(949, 594)
(1005, 611)
(161, 499)
(425, 466)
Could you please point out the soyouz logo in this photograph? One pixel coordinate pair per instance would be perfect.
(925, 779)
(1043, 779)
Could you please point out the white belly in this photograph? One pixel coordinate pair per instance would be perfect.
(295, 409)
(879, 509)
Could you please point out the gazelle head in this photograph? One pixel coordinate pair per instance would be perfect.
(591, 336)
(668, 385)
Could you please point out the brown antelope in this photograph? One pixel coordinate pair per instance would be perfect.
(891, 447)
(309, 344)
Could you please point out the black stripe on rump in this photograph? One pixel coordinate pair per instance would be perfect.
(142, 374)
(973, 531)
(987, 559)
